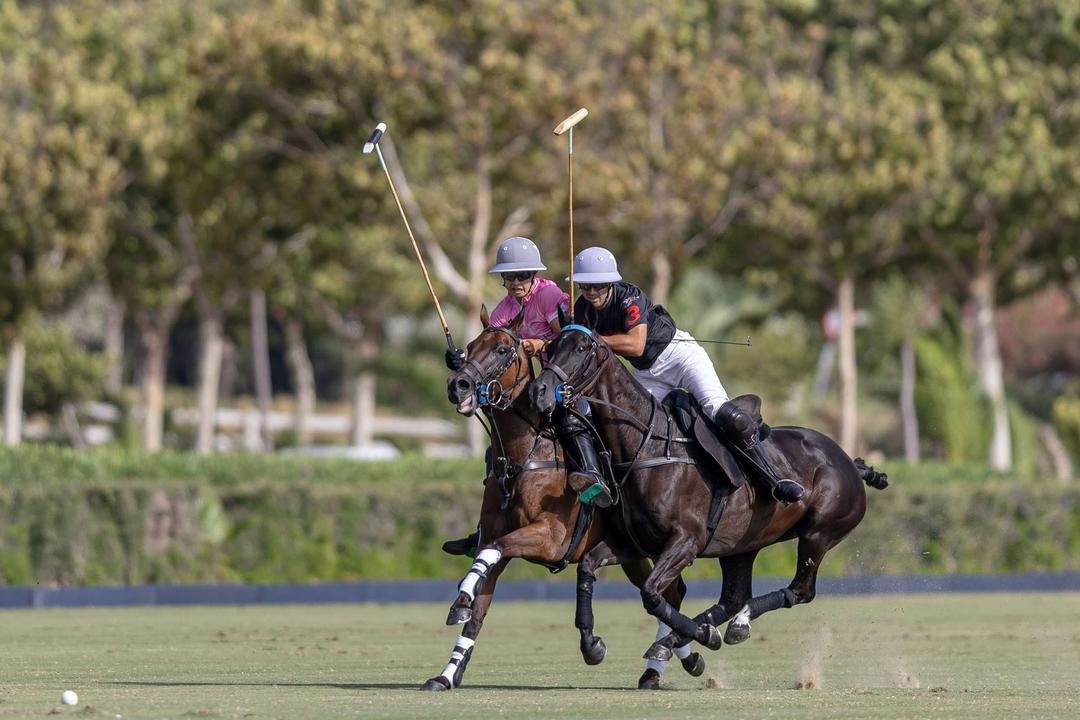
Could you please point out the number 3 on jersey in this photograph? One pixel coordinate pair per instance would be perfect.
(633, 314)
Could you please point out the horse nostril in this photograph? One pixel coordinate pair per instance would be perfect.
(462, 385)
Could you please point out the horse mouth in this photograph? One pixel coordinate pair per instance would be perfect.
(467, 406)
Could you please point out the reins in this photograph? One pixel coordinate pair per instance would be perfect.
(492, 396)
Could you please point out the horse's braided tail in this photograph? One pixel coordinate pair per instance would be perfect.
(870, 476)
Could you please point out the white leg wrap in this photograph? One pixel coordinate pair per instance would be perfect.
(484, 559)
(680, 652)
(461, 646)
(658, 665)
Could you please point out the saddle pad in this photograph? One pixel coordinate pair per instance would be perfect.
(692, 421)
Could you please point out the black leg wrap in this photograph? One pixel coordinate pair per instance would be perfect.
(658, 607)
(460, 672)
(583, 617)
(771, 601)
(716, 615)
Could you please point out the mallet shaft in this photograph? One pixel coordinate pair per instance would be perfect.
(416, 248)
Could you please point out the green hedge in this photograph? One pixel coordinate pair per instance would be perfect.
(268, 519)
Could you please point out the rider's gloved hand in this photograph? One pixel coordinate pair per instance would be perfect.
(455, 359)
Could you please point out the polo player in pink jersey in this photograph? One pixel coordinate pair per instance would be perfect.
(518, 262)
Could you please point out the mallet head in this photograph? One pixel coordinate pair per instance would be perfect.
(571, 121)
(376, 135)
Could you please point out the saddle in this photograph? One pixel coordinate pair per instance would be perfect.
(697, 425)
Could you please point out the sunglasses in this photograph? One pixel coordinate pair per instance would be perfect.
(517, 277)
(587, 287)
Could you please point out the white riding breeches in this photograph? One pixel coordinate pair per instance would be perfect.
(685, 364)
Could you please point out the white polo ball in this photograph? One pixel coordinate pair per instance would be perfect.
(69, 697)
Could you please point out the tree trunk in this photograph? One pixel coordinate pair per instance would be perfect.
(227, 381)
(661, 285)
(70, 422)
(909, 420)
(14, 376)
(155, 346)
(1055, 449)
(845, 296)
(363, 392)
(114, 347)
(211, 345)
(988, 364)
(260, 361)
(303, 377)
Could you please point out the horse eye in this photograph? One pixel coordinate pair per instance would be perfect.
(503, 349)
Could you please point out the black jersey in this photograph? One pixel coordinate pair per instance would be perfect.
(628, 308)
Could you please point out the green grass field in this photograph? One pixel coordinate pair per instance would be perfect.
(978, 656)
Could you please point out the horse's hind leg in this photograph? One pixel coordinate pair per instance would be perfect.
(812, 548)
(736, 590)
(452, 674)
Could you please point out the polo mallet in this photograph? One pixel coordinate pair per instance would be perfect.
(373, 144)
(567, 126)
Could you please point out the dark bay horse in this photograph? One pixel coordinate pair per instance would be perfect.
(528, 509)
(663, 511)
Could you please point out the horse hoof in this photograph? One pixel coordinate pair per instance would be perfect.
(594, 654)
(459, 615)
(694, 664)
(650, 680)
(658, 651)
(436, 684)
(736, 633)
(713, 641)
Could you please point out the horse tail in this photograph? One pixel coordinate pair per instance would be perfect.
(870, 476)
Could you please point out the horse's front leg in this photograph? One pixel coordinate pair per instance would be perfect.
(593, 649)
(540, 540)
(637, 571)
(677, 555)
(452, 674)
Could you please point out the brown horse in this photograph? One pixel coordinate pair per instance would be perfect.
(665, 508)
(528, 510)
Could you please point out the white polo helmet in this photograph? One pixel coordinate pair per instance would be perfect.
(517, 254)
(595, 265)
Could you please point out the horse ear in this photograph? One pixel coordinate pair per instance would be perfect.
(485, 318)
(563, 320)
(516, 323)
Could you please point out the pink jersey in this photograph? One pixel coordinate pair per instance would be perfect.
(541, 307)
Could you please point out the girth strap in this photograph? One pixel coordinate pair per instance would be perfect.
(655, 462)
(584, 519)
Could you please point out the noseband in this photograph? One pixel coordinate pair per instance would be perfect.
(491, 393)
(572, 388)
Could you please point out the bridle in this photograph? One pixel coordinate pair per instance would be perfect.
(491, 393)
(572, 388)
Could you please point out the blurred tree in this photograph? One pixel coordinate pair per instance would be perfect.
(662, 166)
(143, 47)
(1001, 221)
(55, 180)
(899, 313)
(860, 157)
(61, 374)
(473, 92)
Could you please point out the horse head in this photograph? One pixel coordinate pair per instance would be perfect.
(495, 371)
(575, 360)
